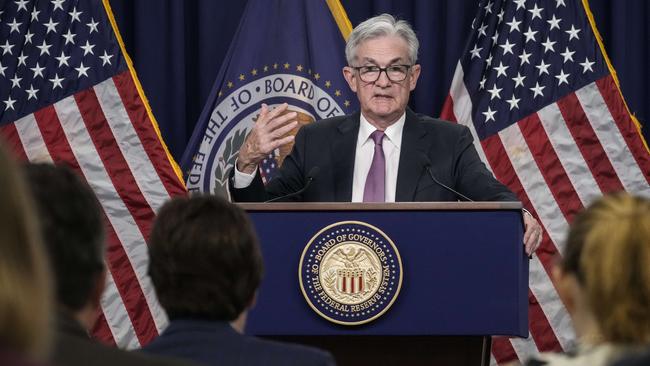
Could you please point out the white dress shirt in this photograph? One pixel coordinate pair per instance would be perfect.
(363, 158)
(366, 150)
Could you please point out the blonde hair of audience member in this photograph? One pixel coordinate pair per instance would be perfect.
(25, 290)
(604, 276)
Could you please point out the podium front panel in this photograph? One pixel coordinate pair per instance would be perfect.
(465, 271)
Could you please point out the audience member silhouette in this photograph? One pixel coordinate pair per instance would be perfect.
(206, 265)
(604, 281)
(73, 230)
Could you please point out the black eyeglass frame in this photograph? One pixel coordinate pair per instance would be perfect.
(382, 69)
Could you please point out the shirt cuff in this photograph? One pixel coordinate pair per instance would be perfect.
(241, 179)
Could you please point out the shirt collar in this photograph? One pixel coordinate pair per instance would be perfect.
(393, 132)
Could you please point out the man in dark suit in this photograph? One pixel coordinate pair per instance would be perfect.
(73, 232)
(206, 266)
(426, 142)
(384, 153)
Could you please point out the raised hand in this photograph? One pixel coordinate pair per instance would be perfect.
(269, 133)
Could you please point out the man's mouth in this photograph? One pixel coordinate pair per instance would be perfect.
(383, 96)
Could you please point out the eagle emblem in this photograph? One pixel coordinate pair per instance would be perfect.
(350, 272)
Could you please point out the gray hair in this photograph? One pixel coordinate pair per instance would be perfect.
(380, 26)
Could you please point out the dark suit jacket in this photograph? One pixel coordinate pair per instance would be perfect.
(73, 347)
(330, 145)
(216, 343)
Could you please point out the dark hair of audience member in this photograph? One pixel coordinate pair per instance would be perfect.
(205, 260)
(25, 289)
(72, 228)
(608, 250)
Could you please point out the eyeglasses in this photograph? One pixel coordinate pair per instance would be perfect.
(395, 73)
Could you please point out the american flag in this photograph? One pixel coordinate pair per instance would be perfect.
(537, 91)
(68, 94)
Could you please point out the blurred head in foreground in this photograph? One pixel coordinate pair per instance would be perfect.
(604, 275)
(25, 300)
(73, 233)
(205, 260)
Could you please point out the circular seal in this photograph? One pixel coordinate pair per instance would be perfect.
(350, 272)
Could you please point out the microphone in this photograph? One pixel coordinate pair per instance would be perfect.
(313, 172)
(426, 162)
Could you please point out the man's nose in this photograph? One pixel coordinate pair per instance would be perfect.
(383, 80)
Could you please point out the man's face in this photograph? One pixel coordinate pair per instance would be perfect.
(383, 101)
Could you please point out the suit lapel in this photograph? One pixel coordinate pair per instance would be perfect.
(343, 156)
(410, 161)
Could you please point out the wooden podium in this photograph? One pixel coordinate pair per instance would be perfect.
(465, 278)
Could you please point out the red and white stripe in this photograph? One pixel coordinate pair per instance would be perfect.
(557, 161)
(105, 134)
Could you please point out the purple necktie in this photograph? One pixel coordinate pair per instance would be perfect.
(374, 190)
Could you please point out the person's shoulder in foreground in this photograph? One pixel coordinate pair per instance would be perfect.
(73, 346)
(586, 355)
(217, 343)
(73, 351)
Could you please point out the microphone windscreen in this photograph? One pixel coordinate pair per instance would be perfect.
(313, 172)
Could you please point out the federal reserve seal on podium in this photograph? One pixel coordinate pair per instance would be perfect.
(350, 273)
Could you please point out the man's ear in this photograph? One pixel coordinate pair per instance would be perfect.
(253, 301)
(98, 290)
(566, 285)
(413, 76)
(348, 74)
